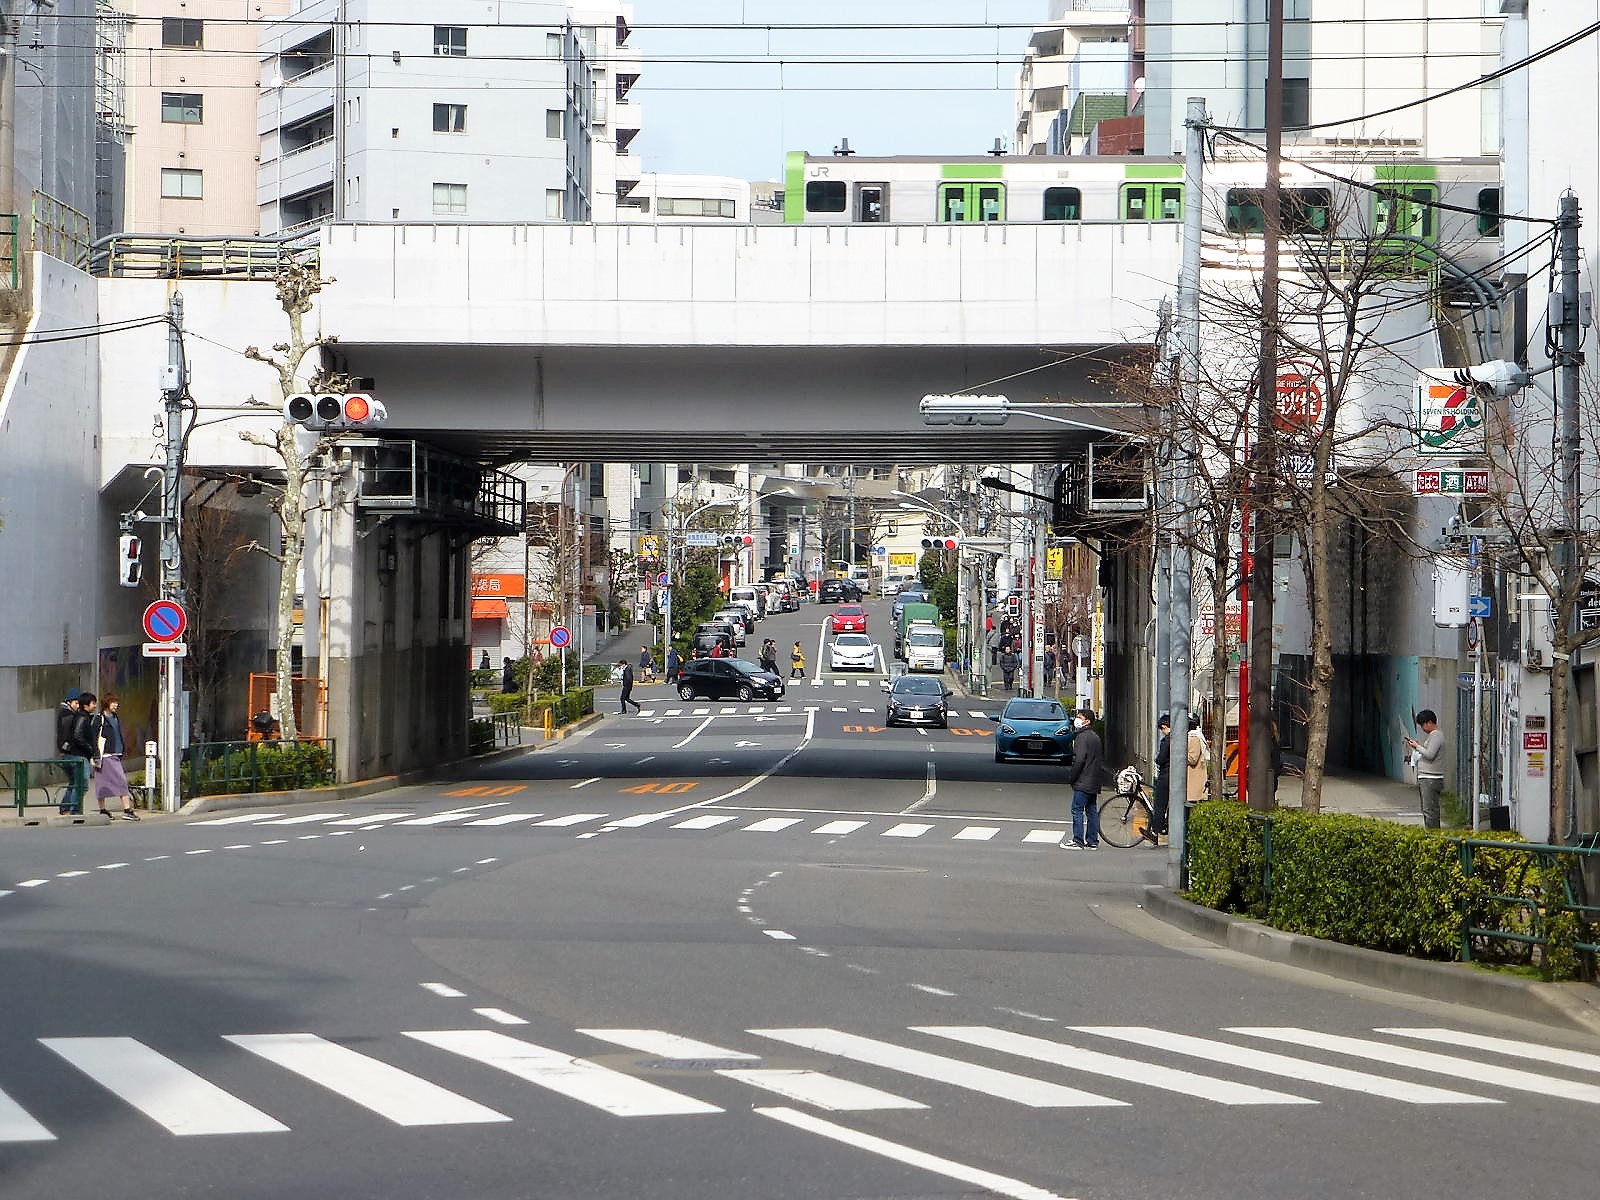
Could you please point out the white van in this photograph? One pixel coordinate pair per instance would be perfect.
(750, 598)
(924, 647)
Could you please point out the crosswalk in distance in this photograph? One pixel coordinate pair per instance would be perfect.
(920, 1067)
(683, 821)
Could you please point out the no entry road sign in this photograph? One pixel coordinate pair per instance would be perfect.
(165, 621)
(560, 636)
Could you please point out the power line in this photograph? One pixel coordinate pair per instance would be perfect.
(38, 338)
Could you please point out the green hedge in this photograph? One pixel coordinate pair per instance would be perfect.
(1368, 882)
(238, 768)
(576, 703)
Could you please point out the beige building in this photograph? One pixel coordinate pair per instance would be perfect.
(191, 76)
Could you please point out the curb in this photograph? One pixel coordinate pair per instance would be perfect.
(370, 787)
(1573, 1005)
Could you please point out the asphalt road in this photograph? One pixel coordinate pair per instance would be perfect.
(716, 950)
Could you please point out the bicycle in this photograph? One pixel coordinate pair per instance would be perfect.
(1125, 815)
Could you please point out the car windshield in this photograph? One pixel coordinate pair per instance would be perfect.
(851, 610)
(745, 665)
(852, 639)
(926, 637)
(1034, 710)
(918, 685)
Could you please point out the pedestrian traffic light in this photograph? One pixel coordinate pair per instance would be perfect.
(353, 411)
(941, 543)
(129, 569)
(1013, 605)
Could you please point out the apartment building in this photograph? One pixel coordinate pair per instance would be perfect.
(1075, 73)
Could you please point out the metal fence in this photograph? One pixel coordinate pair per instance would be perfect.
(241, 768)
(37, 783)
(494, 732)
(10, 256)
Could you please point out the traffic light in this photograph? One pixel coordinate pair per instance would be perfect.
(1013, 605)
(351, 412)
(941, 543)
(129, 569)
(737, 541)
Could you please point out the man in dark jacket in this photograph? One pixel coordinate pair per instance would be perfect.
(81, 750)
(1086, 776)
(67, 713)
(1159, 786)
(627, 689)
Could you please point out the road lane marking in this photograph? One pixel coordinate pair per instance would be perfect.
(388, 1091)
(371, 818)
(839, 827)
(1052, 836)
(779, 935)
(33, 883)
(647, 758)
(440, 989)
(307, 819)
(586, 1082)
(640, 819)
(709, 821)
(1269, 1063)
(698, 730)
(931, 990)
(662, 1044)
(505, 819)
(1167, 1079)
(818, 1090)
(929, 792)
(770, 825)
(906, 829)
(170, 1095)
(1578, 1059)
(500, 1016)
(1427, 1060)
(1001, 1185)
(17, 1126)
(583, 783)
(976, 833)
(75, 874)
(1035, 1093)
(246, 819)
(573, 819)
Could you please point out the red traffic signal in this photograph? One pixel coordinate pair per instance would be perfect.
(129, 569)
(332, 410)
(941, 543)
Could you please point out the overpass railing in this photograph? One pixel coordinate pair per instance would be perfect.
(149, 256)
(418, 480)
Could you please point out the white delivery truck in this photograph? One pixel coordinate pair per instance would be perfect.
(924, 647)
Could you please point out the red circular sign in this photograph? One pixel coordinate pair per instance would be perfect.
(165, 621)
(1300, 406)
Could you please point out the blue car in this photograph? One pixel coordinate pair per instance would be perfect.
(1034, 730)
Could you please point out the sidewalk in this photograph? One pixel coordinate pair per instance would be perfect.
(1360, 795)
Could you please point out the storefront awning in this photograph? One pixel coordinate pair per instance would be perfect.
(483, 610)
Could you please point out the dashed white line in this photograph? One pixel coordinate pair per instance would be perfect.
(70, 874)
(583, 783)
(500, 1016)
(1017, 1012)
(32, 883)
(779, 935)
(441, 989)
(931, 990)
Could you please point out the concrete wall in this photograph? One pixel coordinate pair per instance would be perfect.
(53, 545)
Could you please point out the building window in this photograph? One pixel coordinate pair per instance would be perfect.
(182, 33)
(1296, 103)
(555, 123)
(1063, 204)
(644, 478)
(553, 46)
(182, 108)
(449, 118)
(555, 204)
(825, 196)
(450, 40)
(449, 199)
(179, 183)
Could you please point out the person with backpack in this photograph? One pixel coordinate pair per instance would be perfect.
(67, 714)
(769, 656)
(1087, 777)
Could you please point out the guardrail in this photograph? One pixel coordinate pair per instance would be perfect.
(10, 256)
(242, 768)
(494, 732)
(1537, 914)
(36, 783)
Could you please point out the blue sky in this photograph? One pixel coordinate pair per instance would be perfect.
(739, 119)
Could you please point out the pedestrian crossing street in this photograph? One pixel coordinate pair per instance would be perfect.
(1082, 1067)
(1014, 833)
(688, 709)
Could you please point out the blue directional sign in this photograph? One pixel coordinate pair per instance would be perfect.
(1480, 607)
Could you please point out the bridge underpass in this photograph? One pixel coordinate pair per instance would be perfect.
(691, 344)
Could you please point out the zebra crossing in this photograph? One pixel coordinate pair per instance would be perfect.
(1019, 833)
(917, 1068)
(764, 710)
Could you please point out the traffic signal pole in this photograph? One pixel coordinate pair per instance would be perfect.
(174, 384)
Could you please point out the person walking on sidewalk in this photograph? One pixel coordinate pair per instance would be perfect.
(67, 713)
(674, 663)
(110, 780)
(1008, 666)
(1427, 757)
(627, 689)
(647, 665)
(1086, 775)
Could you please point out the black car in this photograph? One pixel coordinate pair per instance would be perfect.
(918, 700)
(838, 591)
(727, 678)
(912, 595)
(705, 640)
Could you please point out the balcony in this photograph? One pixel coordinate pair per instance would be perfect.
(309, 168)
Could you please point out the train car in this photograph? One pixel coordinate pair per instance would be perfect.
(1335, 197)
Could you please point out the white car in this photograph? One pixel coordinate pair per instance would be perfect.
(852, 652)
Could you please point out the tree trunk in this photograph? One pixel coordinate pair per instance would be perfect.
(1221, 668)
(1320, 595)
(1560, 724)
(292, 519)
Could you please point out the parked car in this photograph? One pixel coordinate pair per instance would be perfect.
(831, 591)
(726, 678)
(918, 700)
(852, 652)
(739, 618)
(751, 597)
(1039, 730)
(849, 618)
(734, 631)
(788, 601)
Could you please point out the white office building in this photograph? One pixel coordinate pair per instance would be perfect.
(1075, 73)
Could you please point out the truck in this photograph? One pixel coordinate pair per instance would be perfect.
(923, 647)
(910, 614)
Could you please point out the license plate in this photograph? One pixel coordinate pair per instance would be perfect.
(1033, 744)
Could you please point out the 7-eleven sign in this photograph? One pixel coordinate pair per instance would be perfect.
(1449, 417)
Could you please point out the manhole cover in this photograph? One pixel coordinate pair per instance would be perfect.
(700, 1064)
(869, 867)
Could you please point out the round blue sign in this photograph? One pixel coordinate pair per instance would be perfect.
(560, 636)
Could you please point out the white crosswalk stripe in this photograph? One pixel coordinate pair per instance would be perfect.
(441, 818)
(1035, 1093)
(1578, 1059)
(1283, 1065)
(639, 819)
(17, 1126)
(907, 829)
(976, 833)
(1052, 836)
(838, 827)
(589, 1083)
(248, 818)
(372, 818)
(1202, 1087)
(388, 1091)
(770, 824)
(170, 1095)
(307, 819)
(506, 819)
(1427, 1060)
(572, 819)
(709, 821)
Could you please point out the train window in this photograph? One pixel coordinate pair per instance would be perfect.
(870, 205)
(1489, 212)
(953, 202)
(1406, 210)
(825, 196)
(1152, 202)
(1303, 211)
(1063, 204)
(991, 202)
(972, 202)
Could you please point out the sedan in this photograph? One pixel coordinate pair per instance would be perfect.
(1039, 730)
(852, 652)
(849, 618)
(918, 700)
(724, 678)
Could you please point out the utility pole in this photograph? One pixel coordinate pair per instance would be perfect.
(174, 386)
(1180, 591)
(1569, 343)
(1254, 787)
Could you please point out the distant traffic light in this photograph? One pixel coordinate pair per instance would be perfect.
(941, 543)
(349, 412)
(129, 569)
(737, 541)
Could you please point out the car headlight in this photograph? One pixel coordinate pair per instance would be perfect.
(1007, 729)
(1064, 731)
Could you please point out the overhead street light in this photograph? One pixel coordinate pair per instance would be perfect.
(964, 410)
